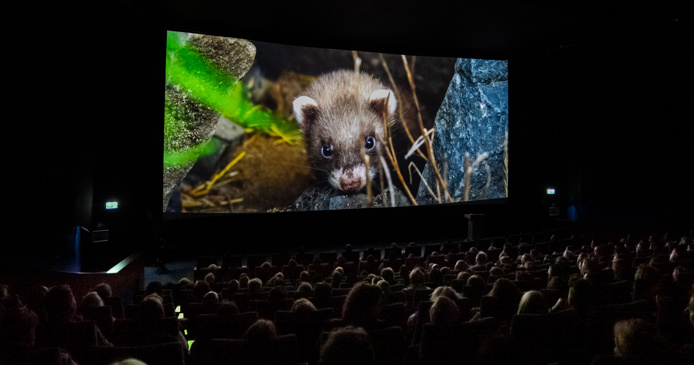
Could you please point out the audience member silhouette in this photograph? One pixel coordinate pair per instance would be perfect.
(533, 302)
(260, 330)
(362, 307)
(18, 326)
(60, 309)
(303, 305)
(638, 339)
(444, 311)
(347, 346)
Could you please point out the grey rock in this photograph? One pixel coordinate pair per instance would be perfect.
(190, 121)
(472, 120)
(317, 198)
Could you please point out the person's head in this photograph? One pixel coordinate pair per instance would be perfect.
(261, 330)
(17, 328)
(210, 278)
(59, 304)
(304, 275)
(650, 277)
(129, 361)
(481, 258)
(151, 307)
(200, 288)
(227, 309)
(234, 285)
(621, 268)
(476, 281)
(533, 302)
(305, 290)
(417, 276)
(185, 283)
(635, 337)
(445, 291)
(303, 305)
(104, 290)
(460, 266)
(384, 285)
(91, 300)
(388, 274)
(243, 281)
(347, 346)
(496, 271)
(210, 300)
(436, 276)
(278, 278)
(277, 294)
(255, 285)
(505, 290)
(444, 311)
(463, 276)
(322, 290)
(362, 305)
(155, 287)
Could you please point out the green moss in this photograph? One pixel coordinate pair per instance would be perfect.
(195, 76)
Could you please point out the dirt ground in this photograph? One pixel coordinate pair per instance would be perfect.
(270, 177)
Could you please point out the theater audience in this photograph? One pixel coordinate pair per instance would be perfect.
(663, 272)
(60, 308)
(685, 353)
(18, 326)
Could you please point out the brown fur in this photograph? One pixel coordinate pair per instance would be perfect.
(344, 116)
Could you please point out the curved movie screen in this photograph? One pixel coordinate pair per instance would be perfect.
(262, 127)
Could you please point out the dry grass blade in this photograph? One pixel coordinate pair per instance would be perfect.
(369, 193)
(428, 142)
(207, 186)
(397, 96)
(410, 167)
(390, 151)
(390, 181)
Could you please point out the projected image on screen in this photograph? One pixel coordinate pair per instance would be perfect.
(261, 127)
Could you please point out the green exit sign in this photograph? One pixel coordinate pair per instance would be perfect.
(111, 205)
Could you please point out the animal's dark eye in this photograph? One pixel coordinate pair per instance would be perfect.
(327, 151)
(369, 144)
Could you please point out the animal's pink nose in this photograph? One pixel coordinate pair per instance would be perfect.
(352, 183)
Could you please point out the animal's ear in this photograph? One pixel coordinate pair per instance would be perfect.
(305, 110)
(382, 99)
